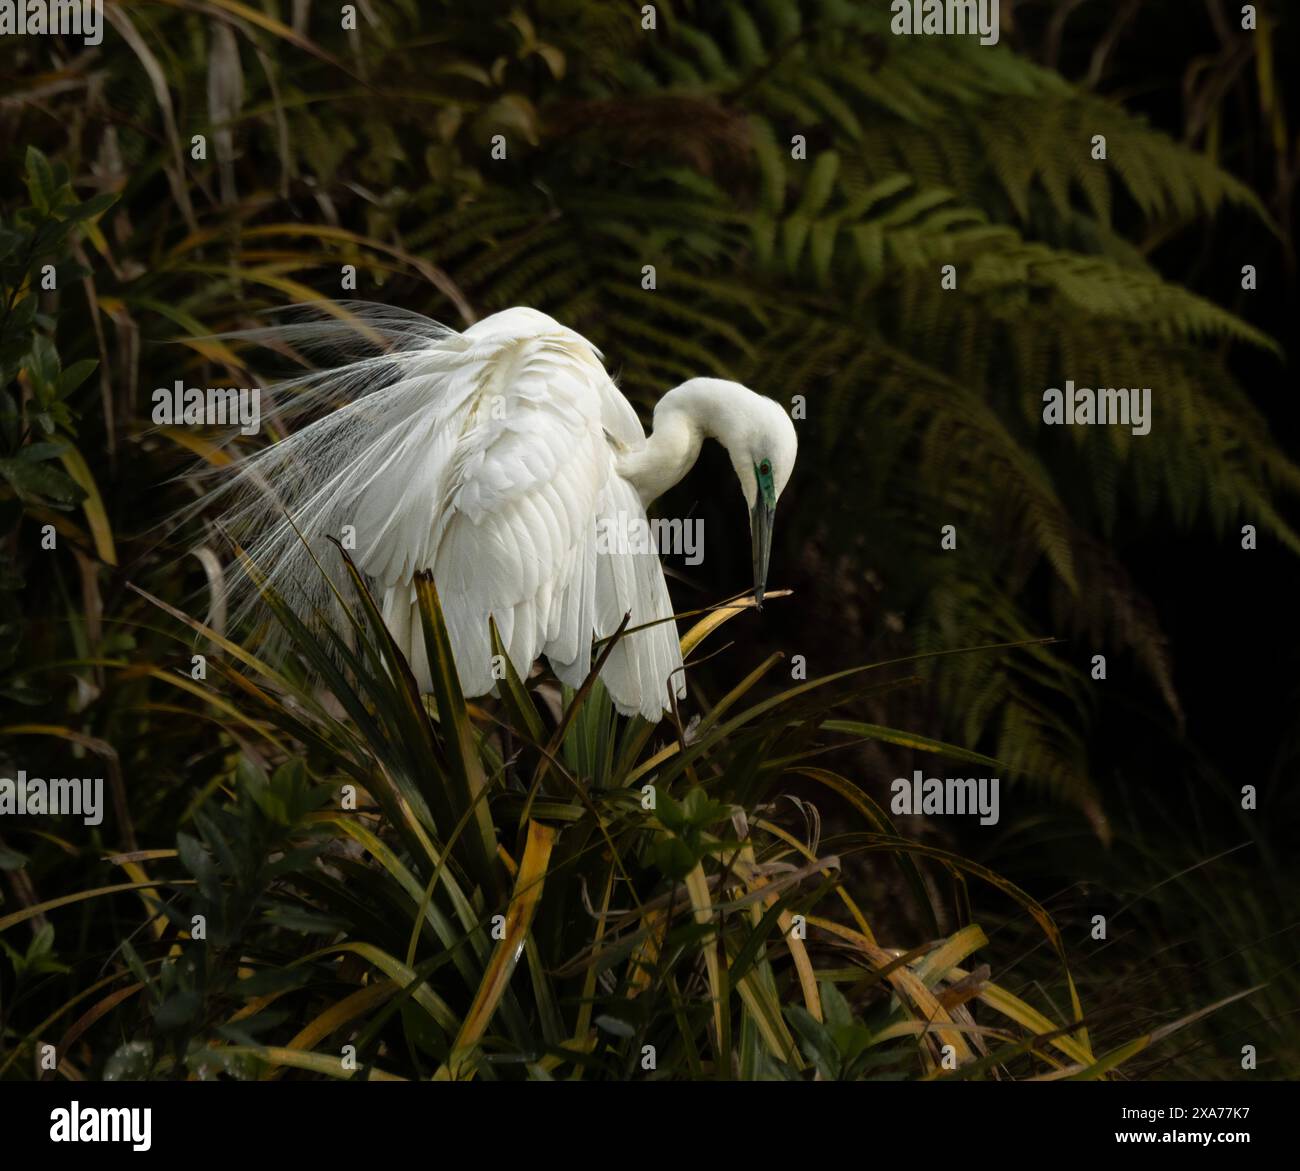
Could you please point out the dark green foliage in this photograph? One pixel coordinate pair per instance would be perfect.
(816, 276)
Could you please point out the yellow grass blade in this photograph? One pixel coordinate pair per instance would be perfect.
(765, 1008)
(93, 505)
(337, 1015)
(199, 446)
(646, 955)
(398, 972)
(1115, 1057)
(519, 916)
(798, 951)
(715, 618)
(325, 1063)
(149, 896)
(697, 887)
(950, 953)
(80, 897)
(587, 1007)
(1026, 1016)
(908, 986)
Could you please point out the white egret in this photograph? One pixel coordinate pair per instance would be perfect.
(491, 456)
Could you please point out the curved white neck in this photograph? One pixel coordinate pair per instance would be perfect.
(703, 408)
(669, 453)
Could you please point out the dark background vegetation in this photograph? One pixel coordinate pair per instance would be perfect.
(816, 277)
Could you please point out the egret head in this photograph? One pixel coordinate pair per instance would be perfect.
(763, 459)
(760, 438)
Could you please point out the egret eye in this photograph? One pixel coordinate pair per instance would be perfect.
(765, 468)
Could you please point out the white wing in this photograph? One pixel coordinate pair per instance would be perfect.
(488, 457)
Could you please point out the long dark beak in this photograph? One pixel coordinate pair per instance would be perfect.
(760, 534)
